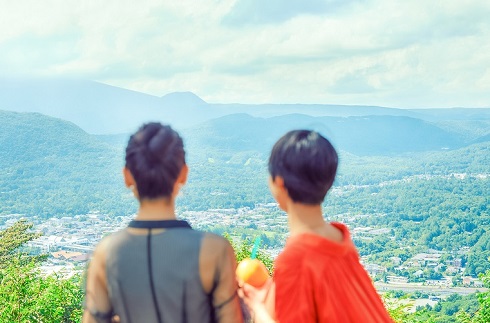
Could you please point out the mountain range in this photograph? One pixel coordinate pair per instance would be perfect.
(103, 109)
(66, 156)
(423, 174)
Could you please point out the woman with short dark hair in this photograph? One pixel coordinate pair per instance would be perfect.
(159, 269)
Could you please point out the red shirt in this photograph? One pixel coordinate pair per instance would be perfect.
(319, 280)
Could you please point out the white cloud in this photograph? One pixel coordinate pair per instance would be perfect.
(392, 53)
(250, 12)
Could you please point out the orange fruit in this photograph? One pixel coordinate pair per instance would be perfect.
(252, 271)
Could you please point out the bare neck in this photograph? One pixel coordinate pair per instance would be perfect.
(305, 218)
(157, 209)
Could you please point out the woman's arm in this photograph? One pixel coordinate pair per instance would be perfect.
(217, 269)
(98, 308)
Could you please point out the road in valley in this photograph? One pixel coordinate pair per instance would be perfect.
(439, 290)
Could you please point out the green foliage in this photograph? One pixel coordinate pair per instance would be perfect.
(443, 312)
(28, 296)
(211, 185)
(243, 249)
(439, 212)
(25, 294)
(456, 308)
(12, 238)
(483, 314)
(479, 257)
(399, 314)
(51, 167)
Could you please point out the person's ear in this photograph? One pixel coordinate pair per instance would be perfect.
(183, 175)
(130, 182)
(181, 179)
(276, 184)
(279, 191)
(279, 182)
(128, 178)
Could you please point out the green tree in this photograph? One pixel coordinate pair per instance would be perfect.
(12, 238)
(26, 294)
(483, 313)
(243, 249)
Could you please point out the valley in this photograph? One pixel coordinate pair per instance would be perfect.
(414, 192)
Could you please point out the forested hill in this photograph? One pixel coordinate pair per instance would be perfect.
(33, 137)
(366, 135)
(52, 167)
(426, 183)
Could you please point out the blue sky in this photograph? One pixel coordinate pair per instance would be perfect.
(409, 54)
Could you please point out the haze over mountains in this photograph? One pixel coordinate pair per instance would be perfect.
(102, 109)
(366, 135)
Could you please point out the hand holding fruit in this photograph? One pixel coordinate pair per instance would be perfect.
(252, 272)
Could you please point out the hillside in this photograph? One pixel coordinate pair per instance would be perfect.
(51, 167)
(367, 135)
(393, 173)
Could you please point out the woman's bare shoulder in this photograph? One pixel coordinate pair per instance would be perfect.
(215, 242)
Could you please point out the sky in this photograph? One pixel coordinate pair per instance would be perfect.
(405, 54)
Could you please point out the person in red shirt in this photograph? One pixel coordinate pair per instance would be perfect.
(318, 276)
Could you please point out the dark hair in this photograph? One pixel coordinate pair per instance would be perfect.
(307, 162)
(155, 156)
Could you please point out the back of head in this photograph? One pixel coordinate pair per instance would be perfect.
(308, 164)
(155, 157)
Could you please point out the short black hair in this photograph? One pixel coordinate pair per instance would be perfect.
(155, 156)
(307, 162)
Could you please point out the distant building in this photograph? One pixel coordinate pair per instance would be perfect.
(397, 280)
(470, 281)
(452, 270)
(419, 273)
(426, 259)
(463, 250)
(477, 283)
(78, 248)
(396, 261)
(438, 282)
(381, 231)
(72, 256)
(374, 269)
(467, 281)
(458, 263)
